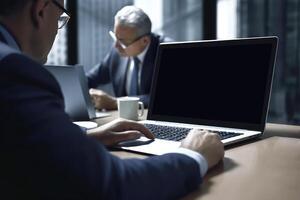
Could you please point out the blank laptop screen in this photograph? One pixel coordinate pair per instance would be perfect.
(73, 84)
(222, 83)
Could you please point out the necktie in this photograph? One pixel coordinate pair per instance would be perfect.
(134, 77)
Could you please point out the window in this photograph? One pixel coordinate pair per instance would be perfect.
(250, 18)
(95, 20)
(180, 20)
(59, 51)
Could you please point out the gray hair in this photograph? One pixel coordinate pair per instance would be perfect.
(131, 16)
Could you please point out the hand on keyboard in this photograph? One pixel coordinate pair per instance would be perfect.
(206, 143)
(118, 131)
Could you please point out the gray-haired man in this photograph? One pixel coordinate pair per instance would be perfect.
(130, 63)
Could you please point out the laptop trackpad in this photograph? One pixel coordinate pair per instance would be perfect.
(131, 143)
(154, 147)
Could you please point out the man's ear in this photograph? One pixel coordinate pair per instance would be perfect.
(146, 40)
(38, 11)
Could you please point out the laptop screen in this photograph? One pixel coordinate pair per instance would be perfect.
(74, 87)
(219, 83)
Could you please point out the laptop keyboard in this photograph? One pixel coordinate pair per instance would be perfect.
(179, 133)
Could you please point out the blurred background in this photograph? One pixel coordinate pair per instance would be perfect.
(86, 40)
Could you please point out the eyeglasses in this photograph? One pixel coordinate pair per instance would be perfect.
(124, 46)
(64, 18)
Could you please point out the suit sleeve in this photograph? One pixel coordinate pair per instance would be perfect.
(45, 156)
(100, 73)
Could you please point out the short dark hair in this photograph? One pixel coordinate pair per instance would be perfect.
(10, 7)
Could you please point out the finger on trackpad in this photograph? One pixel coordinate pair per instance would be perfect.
(140, 141)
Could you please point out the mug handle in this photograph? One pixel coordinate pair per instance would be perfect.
(141, 106)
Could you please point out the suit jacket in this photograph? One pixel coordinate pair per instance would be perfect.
(45, 156)
(113, 69)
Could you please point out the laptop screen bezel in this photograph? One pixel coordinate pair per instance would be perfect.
(272, 40)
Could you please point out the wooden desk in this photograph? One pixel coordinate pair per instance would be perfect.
(267, 169)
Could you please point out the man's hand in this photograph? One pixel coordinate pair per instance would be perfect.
(119, 130)
(103, 100)
(207, 144)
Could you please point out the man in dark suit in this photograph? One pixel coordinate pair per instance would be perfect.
(45, 156)
(129, 65)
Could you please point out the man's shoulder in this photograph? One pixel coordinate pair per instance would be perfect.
(112, 54)
(6, 50)
(160, 38)
(17, 66)
(13, 60)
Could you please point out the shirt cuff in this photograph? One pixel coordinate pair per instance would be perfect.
(201, 161)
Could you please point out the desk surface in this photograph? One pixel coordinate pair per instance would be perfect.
(268, 168)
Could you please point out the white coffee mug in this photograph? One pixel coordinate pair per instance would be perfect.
(130, 108)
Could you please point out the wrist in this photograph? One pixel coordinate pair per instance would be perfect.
(199, 158)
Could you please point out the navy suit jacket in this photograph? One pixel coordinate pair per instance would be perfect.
(113, 69)
(45, 156)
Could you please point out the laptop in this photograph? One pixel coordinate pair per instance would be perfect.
(73, 83)
(219, 85)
